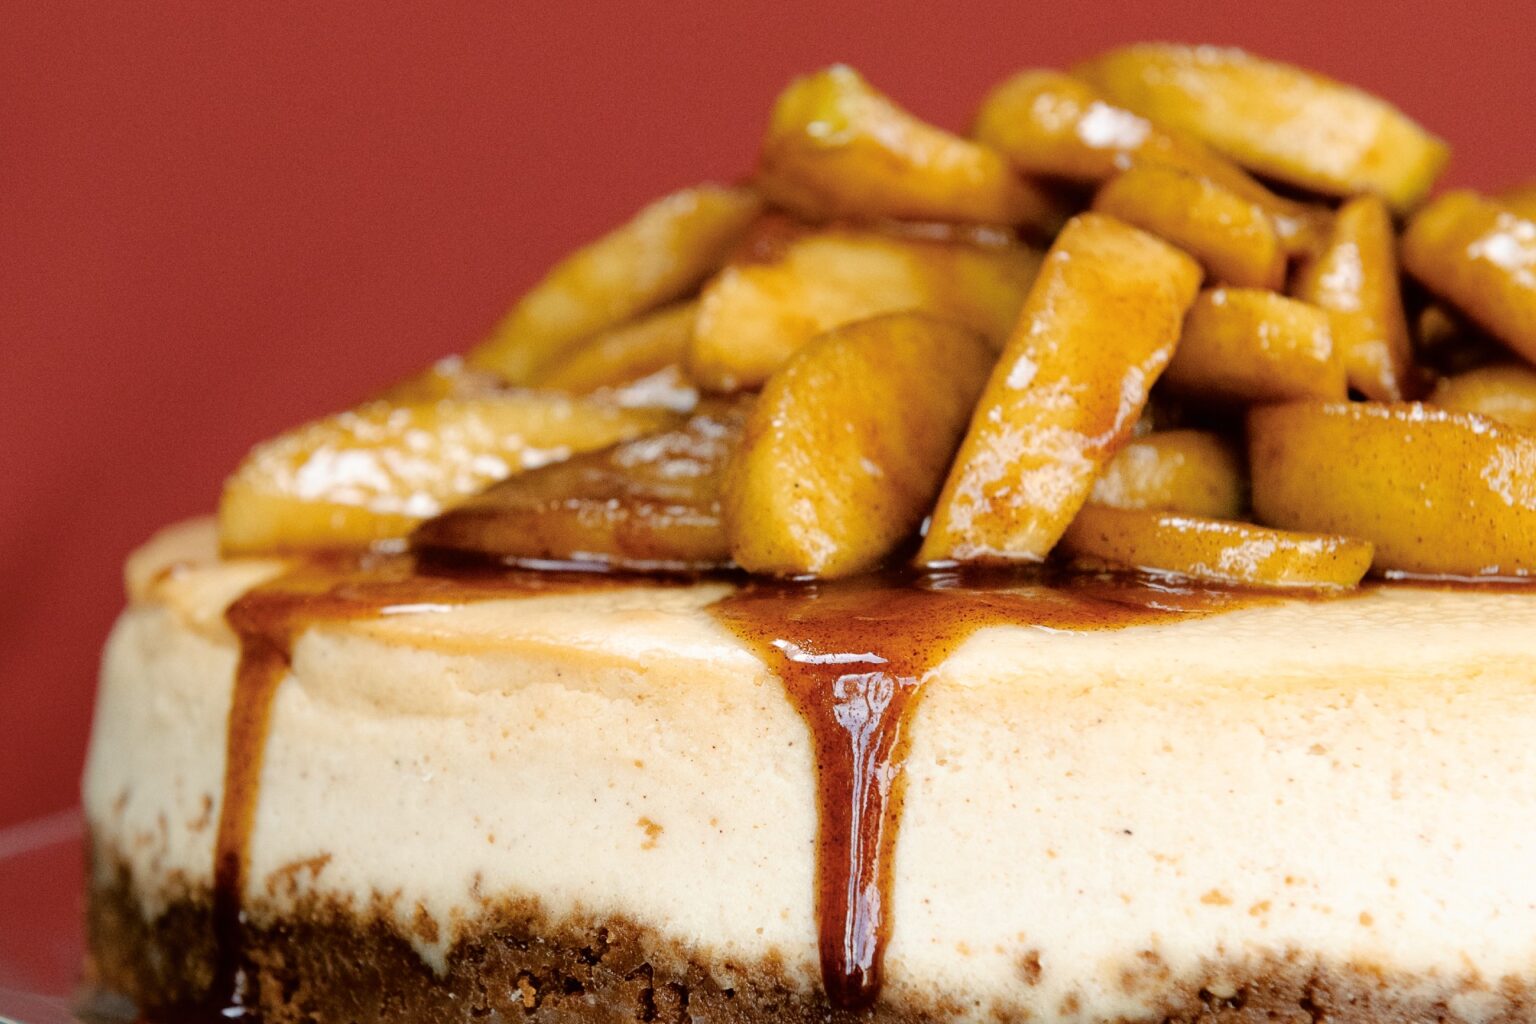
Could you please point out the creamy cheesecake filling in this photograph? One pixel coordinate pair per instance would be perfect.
(1088, 819)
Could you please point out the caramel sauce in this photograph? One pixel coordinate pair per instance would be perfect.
(853, 657)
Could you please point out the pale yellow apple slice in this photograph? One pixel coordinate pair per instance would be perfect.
(659, 255)
(1097, 329)
(757, 312)
(1521, 200)
(1480, 257)
(1215, 550)
(1279, 121)
(1437, 492)
(1505, 392)
(374, 472)
(848, 444)
(1231, 237)
(1354, 277)
(1250, 345)
(1190, 471)
(838, 148)
(648, 504)
(1051, 124)
(627, 353)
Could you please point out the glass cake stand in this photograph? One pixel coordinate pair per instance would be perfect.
(42, 943)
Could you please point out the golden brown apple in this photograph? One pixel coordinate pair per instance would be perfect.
(372, 473)
(648, 504)
(1097, 329)
(1278, 121)
(1355, 279)
(659, 255)
(626, 353)
(849, 442)
(1250, 345)
(1481, 258)
(1437, 492)
(839, 148)
(1051, 124)
(756, 313)
(1215, 550)
(1231, 237)
(1505, 392)
(1191, 471)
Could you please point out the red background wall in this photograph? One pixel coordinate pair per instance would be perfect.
(217, 219)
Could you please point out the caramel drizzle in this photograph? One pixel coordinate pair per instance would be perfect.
(853, 658)
(267, 620)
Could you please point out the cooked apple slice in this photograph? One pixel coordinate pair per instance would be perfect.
(1277, 120)
(1250, 345)
(1097, 329)
(1216, 550)
(1481, 258)
(757, 312)
(660, 255)
(446, 378)
(644, 505)
(838, 148)
(625, 353)
(1355, 279)
(1231, 237)
(1189, 471)
(848, 443)
(1521, 200)
(372, 473)
(1437, 492)
(1506, 392)
(1051, 124)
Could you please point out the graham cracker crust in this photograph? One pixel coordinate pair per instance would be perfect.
(328, 965)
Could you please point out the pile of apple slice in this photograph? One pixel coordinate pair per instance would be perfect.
(1091, 331)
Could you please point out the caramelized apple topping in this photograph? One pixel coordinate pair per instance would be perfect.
(648, 504)
(861, 354)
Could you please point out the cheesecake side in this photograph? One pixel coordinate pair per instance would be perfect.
(1292, 805)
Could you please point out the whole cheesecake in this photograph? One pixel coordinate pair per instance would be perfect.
(601, 803)
(820, 601)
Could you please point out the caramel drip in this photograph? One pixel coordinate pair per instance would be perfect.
(853, 657)
(267, 620)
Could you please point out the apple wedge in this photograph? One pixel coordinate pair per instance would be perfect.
(1191, 471)
(1505, 392)
(838, 148)
(1097, 329)
(1355, 279)
(624, 354)
(1521, 200)
(1215, 550)
(1231, 237)
(644, 505)
(1278, 121)
(374, 472)
(1480, 257)
(446, 378)
(1250, 345)
(757, 312)
(659, 255)
(1438, 493)
(848, 444)
(1053, 125)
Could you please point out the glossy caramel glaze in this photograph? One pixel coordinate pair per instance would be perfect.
(853, 657)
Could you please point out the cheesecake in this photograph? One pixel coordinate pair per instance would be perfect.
(602, 802)
(1042, 576)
